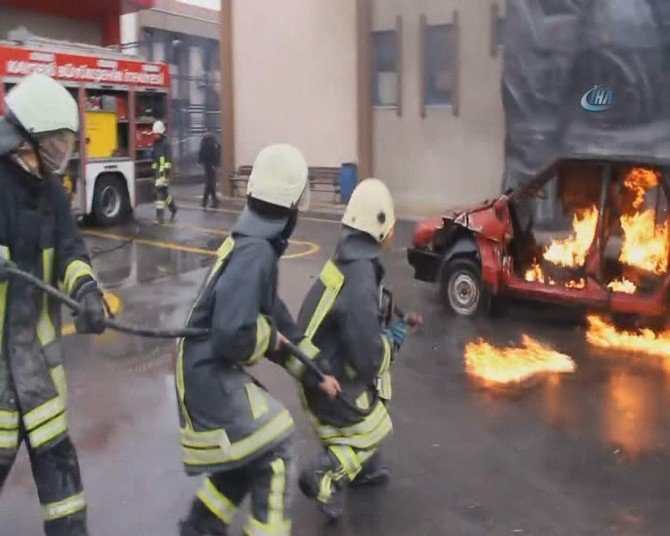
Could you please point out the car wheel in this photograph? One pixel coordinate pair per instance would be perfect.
(110, 201)
(463, 290)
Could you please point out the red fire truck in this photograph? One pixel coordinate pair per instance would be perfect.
(119, 96)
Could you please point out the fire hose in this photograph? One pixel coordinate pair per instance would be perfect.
(9, 267)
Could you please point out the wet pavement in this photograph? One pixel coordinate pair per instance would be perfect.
(583, 454)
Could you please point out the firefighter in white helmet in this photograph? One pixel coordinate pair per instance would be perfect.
(342, 315)
(39, 234)
(162, 166)
(232, 430)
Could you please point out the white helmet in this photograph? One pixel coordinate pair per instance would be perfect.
(370, 209)
(41, 105)
(159, 128)
(279, 177)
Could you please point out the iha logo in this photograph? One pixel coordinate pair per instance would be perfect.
(598, 99)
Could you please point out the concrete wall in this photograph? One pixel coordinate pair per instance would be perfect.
(295, 78)
(442, 161)
(50, 26)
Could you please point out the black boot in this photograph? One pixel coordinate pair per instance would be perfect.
(372, 474)
(173, 212)
(201, 522)
(160, 218)
(73, 525)
(309, 483)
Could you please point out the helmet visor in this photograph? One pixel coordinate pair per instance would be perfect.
(55, 150)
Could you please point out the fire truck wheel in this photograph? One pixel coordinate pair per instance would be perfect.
(110, 201)
(462, 288)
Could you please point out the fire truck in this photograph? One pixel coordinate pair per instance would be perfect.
(119, 97)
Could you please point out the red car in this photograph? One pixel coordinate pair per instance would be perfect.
(585, 232)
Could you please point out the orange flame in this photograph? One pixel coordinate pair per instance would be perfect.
(622, 285)
(646, 245)
(571, 251)
(513, 365)
(639, 180)
(604, 335)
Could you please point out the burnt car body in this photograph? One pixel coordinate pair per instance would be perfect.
(572, 236)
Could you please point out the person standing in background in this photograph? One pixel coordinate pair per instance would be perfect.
(209, 157)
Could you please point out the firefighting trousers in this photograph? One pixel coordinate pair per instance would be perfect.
(164, 200)
(266, 479)
(59, 488)
(337, 466)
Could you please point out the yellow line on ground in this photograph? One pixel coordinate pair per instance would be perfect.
(233, 211)
(312, 248)
(112, 300)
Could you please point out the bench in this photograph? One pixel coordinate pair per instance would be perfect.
(321, 180)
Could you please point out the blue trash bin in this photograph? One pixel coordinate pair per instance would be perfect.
(348, 179)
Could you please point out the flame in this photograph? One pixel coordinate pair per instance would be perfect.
(571, 251)
(646, 245)
(622, 285)
(535, 273)
(500, 366)
(604, 335)
(639, 181)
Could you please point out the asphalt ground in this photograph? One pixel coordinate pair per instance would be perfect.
(581, 454)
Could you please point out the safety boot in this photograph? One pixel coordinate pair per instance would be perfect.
(173, 212)
(310, 485)
(73, 525)
(372, 474)
(201, 522)
(160, 218)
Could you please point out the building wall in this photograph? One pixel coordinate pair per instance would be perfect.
(442, 161)
(295, 78)
(47, 25)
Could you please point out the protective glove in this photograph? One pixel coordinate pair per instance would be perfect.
(397, 332)
(91, 316)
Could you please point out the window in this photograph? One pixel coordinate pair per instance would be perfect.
(440, 64)
(385, 68)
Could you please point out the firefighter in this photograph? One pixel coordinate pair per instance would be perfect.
(341, 315)
(162, 166)
(39, 234)
(232, 430)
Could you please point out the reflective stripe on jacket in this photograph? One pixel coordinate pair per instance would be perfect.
(226, 418)
(340, 315)
(162, 163)
(39, 234)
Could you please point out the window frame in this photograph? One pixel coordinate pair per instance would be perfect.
(374, 72)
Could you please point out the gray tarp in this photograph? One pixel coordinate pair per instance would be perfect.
(555, 52)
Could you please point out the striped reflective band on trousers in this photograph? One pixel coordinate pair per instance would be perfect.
(46, 333)
(277, 524)
(362, 435)
(9, 429)
(46, 422)
(4, 255)
(64, 508)
(216, 502)
(222, 255)
(214, 447)
(263, 334)
(350, 464)
(384, 386)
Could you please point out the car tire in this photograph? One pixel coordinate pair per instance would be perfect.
(463, 290)
(110, 200)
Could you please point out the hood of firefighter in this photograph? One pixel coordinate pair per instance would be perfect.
(354, 245)
(275, 229)
(10, 136)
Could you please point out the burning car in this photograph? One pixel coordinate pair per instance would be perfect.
(584, 232)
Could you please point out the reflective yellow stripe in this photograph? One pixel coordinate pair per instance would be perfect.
(257, 402)
(348, 459)
(58, 377)
(362, 435)
(263, 333)
(256, 528)
(384, 386)
(216, 502)
(363, 401)
(48, 431)
(332, 279)
(277, 492)
(43, 413)
(161, 182)
(325, 488)
(209, 439)
(9, 439)
(75, 271)
(222, 255)
(45, 328)
(9, 419)
(294, 366)
(215, 455)
(4, 255)
(64, 508)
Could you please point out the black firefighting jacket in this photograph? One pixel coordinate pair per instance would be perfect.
(39, 234)
(341, 316)
(162, 162)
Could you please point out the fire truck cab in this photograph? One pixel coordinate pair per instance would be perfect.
(119, 98)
